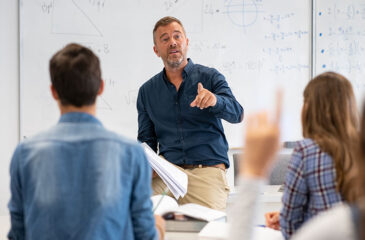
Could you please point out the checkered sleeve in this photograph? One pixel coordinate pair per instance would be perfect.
(295, 196)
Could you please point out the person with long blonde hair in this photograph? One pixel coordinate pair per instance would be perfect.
(320, 170)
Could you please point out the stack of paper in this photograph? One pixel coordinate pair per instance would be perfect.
(175, 179)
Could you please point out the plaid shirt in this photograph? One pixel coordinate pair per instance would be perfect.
(310, 186)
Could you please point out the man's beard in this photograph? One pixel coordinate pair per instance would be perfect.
(175, 63)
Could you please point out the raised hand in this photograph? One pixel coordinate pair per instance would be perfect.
(262, 142)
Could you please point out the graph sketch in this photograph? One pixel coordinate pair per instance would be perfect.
(243, 13)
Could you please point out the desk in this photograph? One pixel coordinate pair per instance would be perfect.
(181, 236)
(258, 234)
(270, 200)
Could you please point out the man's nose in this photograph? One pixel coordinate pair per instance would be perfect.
(172, 42)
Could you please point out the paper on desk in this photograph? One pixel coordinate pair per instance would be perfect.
(214, 231)
(220, 231)
(201, 212)
(175, 179)
(265, 233)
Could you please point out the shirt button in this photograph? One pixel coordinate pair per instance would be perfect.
(175, 103)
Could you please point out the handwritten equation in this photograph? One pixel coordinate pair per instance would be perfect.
(278, 52)
(201, 46)
(284, 68)
(351, 48)
(47, 7)
(340, 39)
(99, 4)
(277, 19)
(170, 4)
(98, 48)
(276, 36)
(347, 11)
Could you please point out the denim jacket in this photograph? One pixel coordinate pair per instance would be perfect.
(79, 181)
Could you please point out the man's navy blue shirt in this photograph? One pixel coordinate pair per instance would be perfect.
(184, 134)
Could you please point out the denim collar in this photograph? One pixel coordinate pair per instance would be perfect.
(78, 117)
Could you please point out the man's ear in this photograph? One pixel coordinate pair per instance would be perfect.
(54, 93)
(101, 89)
(156, 51)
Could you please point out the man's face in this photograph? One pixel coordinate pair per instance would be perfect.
(171, 44)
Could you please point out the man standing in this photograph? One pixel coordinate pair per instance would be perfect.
(77, 180)
(179, 113)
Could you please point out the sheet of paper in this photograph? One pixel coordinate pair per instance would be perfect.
(175, 179)
(201, 212)
(167, 203)
(214, 230)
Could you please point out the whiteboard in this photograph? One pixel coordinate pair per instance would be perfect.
(257, 44)
(340, 41)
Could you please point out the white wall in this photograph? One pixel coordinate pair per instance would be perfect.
(9, 96)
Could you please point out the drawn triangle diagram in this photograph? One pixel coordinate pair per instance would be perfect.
(68, 17)
(103, 104)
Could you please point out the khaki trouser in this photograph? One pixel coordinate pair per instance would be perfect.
(207, 186)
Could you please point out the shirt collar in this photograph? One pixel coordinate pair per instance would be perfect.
(189, 66)
(187, 69)
(78, 117)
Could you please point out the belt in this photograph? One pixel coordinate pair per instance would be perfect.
(191, 166)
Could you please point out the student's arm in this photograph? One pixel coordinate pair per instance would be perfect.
(146, 128)
(17, 229)
(262, 143)
(244, 207)
(227, 107)
(141, 204)
(295, 196)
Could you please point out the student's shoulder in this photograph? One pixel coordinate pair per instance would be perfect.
(42, 136)
(306, 146)
(322, 226)
(122, 140)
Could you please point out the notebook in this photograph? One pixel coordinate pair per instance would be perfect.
(170, 209)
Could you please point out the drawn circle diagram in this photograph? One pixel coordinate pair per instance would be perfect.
(242, 13)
